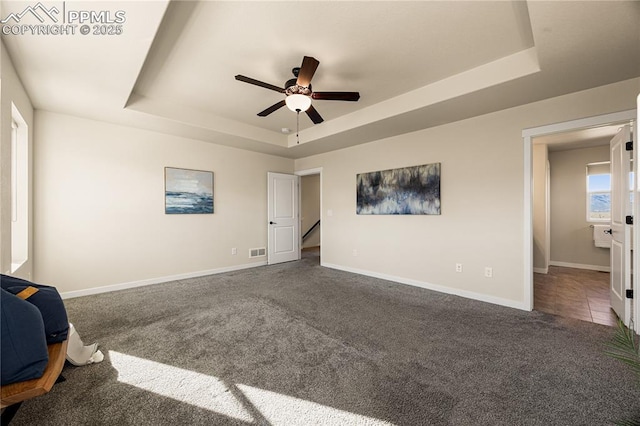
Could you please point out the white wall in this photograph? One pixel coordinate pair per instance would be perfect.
(482, 220)
(571, 237)
(99, 205)
(12, 91)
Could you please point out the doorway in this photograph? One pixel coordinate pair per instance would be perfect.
(556, 130)
(571, 272)
(310, 214)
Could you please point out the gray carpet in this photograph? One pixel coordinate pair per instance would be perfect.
(300, 344)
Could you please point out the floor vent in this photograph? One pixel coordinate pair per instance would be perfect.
(257, 252)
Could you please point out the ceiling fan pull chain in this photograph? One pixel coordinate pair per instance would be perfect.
(298, 125)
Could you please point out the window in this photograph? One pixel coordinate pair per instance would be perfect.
(632, 186)
(19, 191)
(599, 192)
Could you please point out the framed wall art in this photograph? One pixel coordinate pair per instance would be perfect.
(188, 191)
(404, 191)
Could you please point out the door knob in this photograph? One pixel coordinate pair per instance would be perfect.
(272, 223)
(608, 231)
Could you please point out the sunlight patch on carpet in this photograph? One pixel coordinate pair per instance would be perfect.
(281, 410)
(212, 394)
(182, 385)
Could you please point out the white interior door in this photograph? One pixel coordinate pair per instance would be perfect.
(635, 233)
(283, 217)
(620, 208)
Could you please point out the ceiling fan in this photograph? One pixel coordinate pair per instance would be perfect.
(299, 93)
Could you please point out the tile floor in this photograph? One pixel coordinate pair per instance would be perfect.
(574, 293)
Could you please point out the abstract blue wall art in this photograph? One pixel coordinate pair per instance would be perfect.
(187, 191)
(409, 190)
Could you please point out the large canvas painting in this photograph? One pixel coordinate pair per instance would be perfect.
(409, 190)
(187, 191)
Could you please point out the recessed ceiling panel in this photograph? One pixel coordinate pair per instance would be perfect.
(380, 49)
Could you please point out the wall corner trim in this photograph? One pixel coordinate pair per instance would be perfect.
(435, 287)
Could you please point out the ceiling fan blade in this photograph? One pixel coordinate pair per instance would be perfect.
(272, 108)
(336, 96)
(307, 69)
(259, 83)
(314, 116)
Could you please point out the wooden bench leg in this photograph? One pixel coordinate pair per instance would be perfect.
(9, 412)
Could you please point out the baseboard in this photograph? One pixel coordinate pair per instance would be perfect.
(422, 284)
(435, 287)
(541, 270)
(581, 266)
(142, 283)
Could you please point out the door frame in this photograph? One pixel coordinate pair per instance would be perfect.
(623, 117)
(308, 172)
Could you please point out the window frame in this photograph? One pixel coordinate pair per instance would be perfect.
(20, 202)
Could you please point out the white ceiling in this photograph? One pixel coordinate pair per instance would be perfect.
(416, 64)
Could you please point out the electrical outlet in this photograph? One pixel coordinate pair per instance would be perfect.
(234, 251)
(355, 252)
(458, 267)
(488, 272)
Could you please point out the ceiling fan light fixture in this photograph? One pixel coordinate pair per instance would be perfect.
(297, 102)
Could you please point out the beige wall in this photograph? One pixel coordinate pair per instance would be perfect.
(540, 208)
(12, 91)
(310, 206)
(571, 236)
(482, 220)
(99, 205)
(99, 217)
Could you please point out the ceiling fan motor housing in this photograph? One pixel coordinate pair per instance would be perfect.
(292, 88)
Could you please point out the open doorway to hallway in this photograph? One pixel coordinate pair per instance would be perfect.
(310, 213)
(571, 269)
